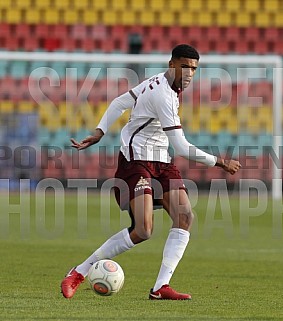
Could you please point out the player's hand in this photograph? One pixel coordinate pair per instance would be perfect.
(231, 166)
(88, 141)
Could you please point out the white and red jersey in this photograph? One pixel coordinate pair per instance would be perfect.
(154, 112)
(154, 122)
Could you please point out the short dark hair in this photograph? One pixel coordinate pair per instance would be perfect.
(185, 51)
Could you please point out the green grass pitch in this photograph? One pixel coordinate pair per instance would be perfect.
(233, 272)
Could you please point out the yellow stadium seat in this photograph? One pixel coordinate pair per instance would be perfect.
(42, 4)
(176, 5)
(187, 18)
(223, 19)
(128, 18)
(243, 19)
(157, 5)
(14, 16)
(215, 5)
(278, 21)
(23, 4)
(205, 19)
(70, 16)
(7, 107)
(33, 16)
(81, 4)
(51, 16)
(62, 4)
(119, 5)
(147, 18)
(194, 5)
(109, 17)
(90, 17)
(100, 5)
(272, 5)
(62, 112)
(6, 4)
(262, 19)
(166, 18)
(26, 107)
(234, 5)
(252, 5)
(137, 5)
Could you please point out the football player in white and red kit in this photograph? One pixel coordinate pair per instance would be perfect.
(146, 167)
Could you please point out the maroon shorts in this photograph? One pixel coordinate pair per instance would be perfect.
(144, 177)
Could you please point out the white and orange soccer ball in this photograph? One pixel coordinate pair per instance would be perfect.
(106, 277)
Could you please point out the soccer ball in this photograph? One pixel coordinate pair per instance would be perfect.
(106, 277)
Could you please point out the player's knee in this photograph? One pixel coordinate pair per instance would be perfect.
(145, 232)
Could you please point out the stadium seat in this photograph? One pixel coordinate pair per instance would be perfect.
(147, 18)
(165, 18)
(23, 4)
(138, 5)
(70, 17)
(223, 18)
(196, 6)
(63, 4)
(253, 34)
(187, 18)
(110, 18)
(90, 17)
(272, 6)
(79, 32)
(33, 16)
(214, 6)
(51, 16)
(233, 6)
(26, 107)
(242, 19)
(262, 19)
(18, 69)
(42, 30)
(13, 15)
(252, 6)
(157, 5)
(118, 5)
(128, 18)
(6, 4)
(271, 34)
(82, 4)
(43, 4)
(205, 19)
(7, 107)
(59, 31)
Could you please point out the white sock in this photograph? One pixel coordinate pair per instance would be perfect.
(115, 245)
(173, 251)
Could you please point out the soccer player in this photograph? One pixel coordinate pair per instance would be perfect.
(145, 166)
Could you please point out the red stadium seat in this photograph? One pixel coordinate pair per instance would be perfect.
(252, 34)
(42, 30)
(31, 44)
(233, 34)
(51, 44)
(12, 43)
(213, 33)
(79, 32)
(5, 30)
(271, 34)
(22, 30)
(176, 32)
(194, 34)
(59, 31)
(99, 32)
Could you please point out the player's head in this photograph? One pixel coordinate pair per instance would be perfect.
(183, 64)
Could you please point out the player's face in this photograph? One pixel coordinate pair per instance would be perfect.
(185, 69)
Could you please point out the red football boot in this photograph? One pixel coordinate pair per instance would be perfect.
(71, 283)
(167, 293)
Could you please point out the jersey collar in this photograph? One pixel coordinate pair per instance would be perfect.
(171, 83)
